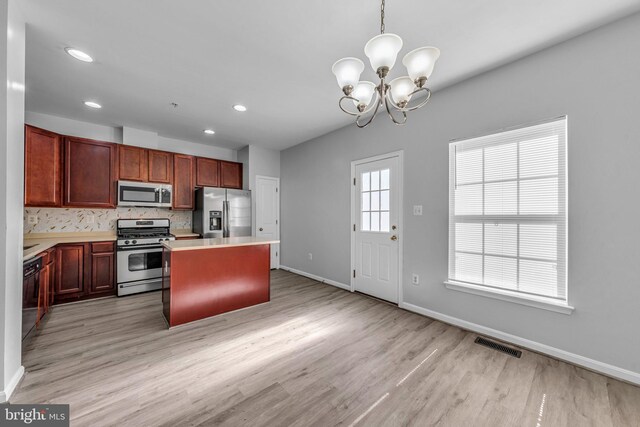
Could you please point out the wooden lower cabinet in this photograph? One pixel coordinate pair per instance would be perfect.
(70, 271)
(102, 272)
(84, 270)
(51, 285)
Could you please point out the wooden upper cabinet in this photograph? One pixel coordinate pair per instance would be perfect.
(183, 182)
(42, 168)
(132, 163)
(230, 174)
(207, 172)
(160, 166)
(90, 173)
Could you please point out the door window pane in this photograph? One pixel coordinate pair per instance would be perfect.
(365, 181)
(384, 179)
(366, 225)
(366, 205)
(375, 180)
(384, 221)
(375, 221)
(375, 200)
(384, 200)
(375, 205)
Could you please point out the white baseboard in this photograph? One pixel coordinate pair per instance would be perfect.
(5, 394)
(585, 362)
(318, 278)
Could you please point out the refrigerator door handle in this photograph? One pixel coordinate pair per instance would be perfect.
(225, 219)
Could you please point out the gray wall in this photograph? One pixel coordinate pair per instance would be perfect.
(257, 161)
(595, 80)
(12, 52)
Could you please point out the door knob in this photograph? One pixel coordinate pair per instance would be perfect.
(393, 227)
(261, 229)
(394, 238)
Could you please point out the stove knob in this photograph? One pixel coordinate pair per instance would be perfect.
(134, 242)
(126, 242)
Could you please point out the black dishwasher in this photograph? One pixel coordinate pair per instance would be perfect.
(31, 289)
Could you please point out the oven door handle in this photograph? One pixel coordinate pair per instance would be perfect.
(138, 248)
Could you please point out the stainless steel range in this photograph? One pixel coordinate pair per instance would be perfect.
(139, 253)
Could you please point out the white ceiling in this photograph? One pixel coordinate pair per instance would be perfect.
(273, 56)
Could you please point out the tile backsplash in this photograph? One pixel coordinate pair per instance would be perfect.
(63, 220)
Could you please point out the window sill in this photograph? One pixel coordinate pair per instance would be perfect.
(504, 295)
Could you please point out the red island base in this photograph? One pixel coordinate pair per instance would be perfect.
(204, 282)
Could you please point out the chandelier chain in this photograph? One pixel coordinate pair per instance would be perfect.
(382, 18)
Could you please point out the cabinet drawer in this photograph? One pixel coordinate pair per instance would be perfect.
(102, 247)
(45, 257)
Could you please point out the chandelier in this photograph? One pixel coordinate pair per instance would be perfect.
(382, 51)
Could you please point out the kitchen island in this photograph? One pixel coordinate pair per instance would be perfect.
(206, 277)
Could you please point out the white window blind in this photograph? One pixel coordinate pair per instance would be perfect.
(508, 211)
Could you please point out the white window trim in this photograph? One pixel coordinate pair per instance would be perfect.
(515, 297)
(537, 301)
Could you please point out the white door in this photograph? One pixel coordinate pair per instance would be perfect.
(376, 238)
(268, 213)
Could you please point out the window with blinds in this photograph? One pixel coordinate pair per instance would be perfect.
(508, 211)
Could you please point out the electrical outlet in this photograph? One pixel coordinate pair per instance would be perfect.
(32, 219)
(90, 219)
(310, 256)
(415, 279)
(417, 209)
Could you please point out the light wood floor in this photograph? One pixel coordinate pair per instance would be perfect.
(315, 355)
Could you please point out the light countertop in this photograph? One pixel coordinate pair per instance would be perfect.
(224, 242)
(40, 242)
(182, 233)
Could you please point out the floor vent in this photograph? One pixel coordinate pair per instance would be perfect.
(503, 348)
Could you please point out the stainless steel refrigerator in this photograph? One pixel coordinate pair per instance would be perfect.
(221, 212)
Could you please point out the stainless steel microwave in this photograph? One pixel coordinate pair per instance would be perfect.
(144, 194)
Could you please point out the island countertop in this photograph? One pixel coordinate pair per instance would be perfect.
(223, 242)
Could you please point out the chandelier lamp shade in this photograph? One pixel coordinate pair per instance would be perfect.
(382, 51)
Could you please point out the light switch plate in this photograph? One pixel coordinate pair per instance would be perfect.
(32, 219)
(417, 209)
(90, 219)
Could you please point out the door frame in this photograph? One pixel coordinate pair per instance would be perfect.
(354, 207)
(277, 180)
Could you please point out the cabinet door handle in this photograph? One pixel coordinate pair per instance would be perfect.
(261, 229)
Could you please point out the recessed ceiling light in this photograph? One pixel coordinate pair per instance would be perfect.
(92, 104)
(78, 54)
(209, 131)
(240, 107)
